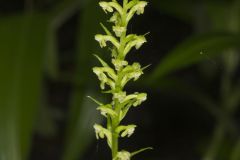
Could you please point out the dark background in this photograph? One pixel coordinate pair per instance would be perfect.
(193, 84)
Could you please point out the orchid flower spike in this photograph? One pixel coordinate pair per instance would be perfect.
(116, 75)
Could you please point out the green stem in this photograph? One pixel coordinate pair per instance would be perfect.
(115, 124)
(114, 143)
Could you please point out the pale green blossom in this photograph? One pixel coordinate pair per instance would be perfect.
(141, 97)
(100, 72)
(102, 132)
(126, 130)
(138, 41)
(136, 98)
(106, 6)
(119, 30)
(140, 7)
(103, 39)
(116, 18)
(107, 110)
(119, 63)
(123, 155)
(120, 96)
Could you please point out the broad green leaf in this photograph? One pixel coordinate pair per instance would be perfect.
(22, 44)
(192, 51)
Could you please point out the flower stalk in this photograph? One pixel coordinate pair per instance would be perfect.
(114, 77)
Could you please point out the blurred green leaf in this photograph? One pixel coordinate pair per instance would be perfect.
(215, 143)
(83, 113)
(51, 59)
(22, 45)
(64, 10)
(235, 155)
(192, 51)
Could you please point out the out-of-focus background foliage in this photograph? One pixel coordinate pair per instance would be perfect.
(193, 84)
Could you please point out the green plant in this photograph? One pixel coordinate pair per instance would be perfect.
(116, 77)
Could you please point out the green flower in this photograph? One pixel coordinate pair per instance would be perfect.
(136, 98)
(137, 71)
(136, 41)
(102, 39)
(126, 130)
(116, 18)
(140, 7)
(107, 110)
(119, 30)
(120, 96)
(118, 64)
(141, 97)
(123, 155)
(102, 132)
(99, 71)
(131, 72)
(106, 7)
(139, 41)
